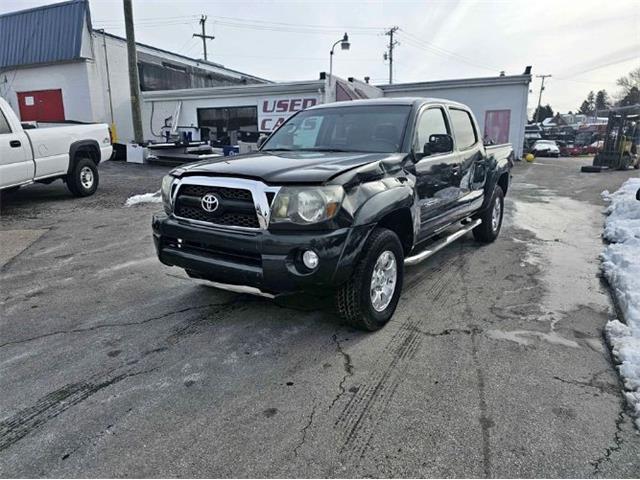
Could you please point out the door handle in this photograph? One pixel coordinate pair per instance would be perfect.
(15, 144)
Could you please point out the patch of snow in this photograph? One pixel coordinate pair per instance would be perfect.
(155, 197)
(621, 266)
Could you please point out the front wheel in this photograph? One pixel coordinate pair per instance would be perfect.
(370, 297)
(491, 218)
(83, 179)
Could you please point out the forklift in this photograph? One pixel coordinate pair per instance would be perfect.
(620, 149)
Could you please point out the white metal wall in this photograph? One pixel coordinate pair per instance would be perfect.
(71, 78)
(119, 78)
(481, 99)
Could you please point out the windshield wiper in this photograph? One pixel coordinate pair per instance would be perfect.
(278, 150)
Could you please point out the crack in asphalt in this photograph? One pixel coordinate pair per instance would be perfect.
(601, 387)
(348, 370)
(448, 331)
(617, 442)
(304, 430)
(115, 325)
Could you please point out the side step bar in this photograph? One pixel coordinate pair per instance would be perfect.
(440, 244)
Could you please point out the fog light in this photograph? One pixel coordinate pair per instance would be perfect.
(310, 259)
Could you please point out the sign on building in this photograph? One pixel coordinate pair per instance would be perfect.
(273, 111)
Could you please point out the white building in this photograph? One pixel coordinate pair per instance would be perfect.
(499, 104)
(55, 67)
(237, 111)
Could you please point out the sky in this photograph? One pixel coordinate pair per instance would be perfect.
(583, 44)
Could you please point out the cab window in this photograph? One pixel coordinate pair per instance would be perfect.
(4, 125)
(463, 128)
(432, 121)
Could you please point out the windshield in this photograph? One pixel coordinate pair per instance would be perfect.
(367, 128)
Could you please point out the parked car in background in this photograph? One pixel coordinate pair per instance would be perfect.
(545, 148)
(339, 199)
(67, 152)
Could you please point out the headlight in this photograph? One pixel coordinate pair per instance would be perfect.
(306, 205)
(167, 183)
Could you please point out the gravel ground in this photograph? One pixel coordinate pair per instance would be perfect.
(494, 365)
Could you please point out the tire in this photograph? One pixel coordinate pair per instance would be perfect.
(489, 229)
(83, 179)
(354, 301)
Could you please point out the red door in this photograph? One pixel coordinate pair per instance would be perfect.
(41, 106)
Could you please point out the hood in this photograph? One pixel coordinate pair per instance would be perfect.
(284, 167)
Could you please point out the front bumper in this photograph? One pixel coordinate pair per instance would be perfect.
(268, 261)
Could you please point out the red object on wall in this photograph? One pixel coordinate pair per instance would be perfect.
(41, 106)
(496, 125)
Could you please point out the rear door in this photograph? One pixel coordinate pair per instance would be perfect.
(16, 165)
(470, 157)
(437, 175)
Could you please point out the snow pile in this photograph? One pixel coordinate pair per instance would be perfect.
(621, 265)
(155, 197)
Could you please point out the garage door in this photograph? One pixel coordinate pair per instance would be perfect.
(41, 106)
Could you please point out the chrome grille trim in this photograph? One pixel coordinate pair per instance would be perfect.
(257, 188)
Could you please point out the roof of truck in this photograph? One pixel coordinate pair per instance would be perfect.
(413, 101)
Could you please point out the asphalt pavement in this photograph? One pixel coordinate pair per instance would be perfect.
(494, 365)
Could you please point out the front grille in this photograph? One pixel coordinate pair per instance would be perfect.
(236, 206)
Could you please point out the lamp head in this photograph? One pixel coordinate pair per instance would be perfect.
(344, 44)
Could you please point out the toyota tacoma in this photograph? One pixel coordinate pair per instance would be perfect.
(339, 199)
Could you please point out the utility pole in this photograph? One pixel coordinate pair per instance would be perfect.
(134, 80)
(204, 36)
(389, 54)
(535, 120)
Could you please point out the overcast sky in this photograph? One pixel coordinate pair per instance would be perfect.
(585, 44)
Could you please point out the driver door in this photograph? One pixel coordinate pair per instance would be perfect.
(437, 174)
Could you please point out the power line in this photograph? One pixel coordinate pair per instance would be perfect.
(417, 42)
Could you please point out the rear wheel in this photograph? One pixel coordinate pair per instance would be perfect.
(83, 179)
(370, 297)
(491, 218)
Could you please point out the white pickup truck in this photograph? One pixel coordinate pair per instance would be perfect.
(70, 152)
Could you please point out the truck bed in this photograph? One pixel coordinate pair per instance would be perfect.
(503, 150)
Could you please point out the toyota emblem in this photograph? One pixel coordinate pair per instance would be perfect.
(210, 202)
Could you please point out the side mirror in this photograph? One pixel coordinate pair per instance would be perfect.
(638, 194)
(438, 143)
(261, 139)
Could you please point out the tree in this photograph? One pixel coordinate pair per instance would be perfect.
(602, 100)
(631, 98)
(630, 84)
(545, 112)
(629, 81)
(588, 107)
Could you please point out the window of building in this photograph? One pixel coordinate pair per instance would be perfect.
(463, 128)
(496, 126)
(227, 125)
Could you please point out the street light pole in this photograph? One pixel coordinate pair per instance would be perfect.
(344, 45)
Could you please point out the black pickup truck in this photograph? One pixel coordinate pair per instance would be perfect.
(339, 199)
